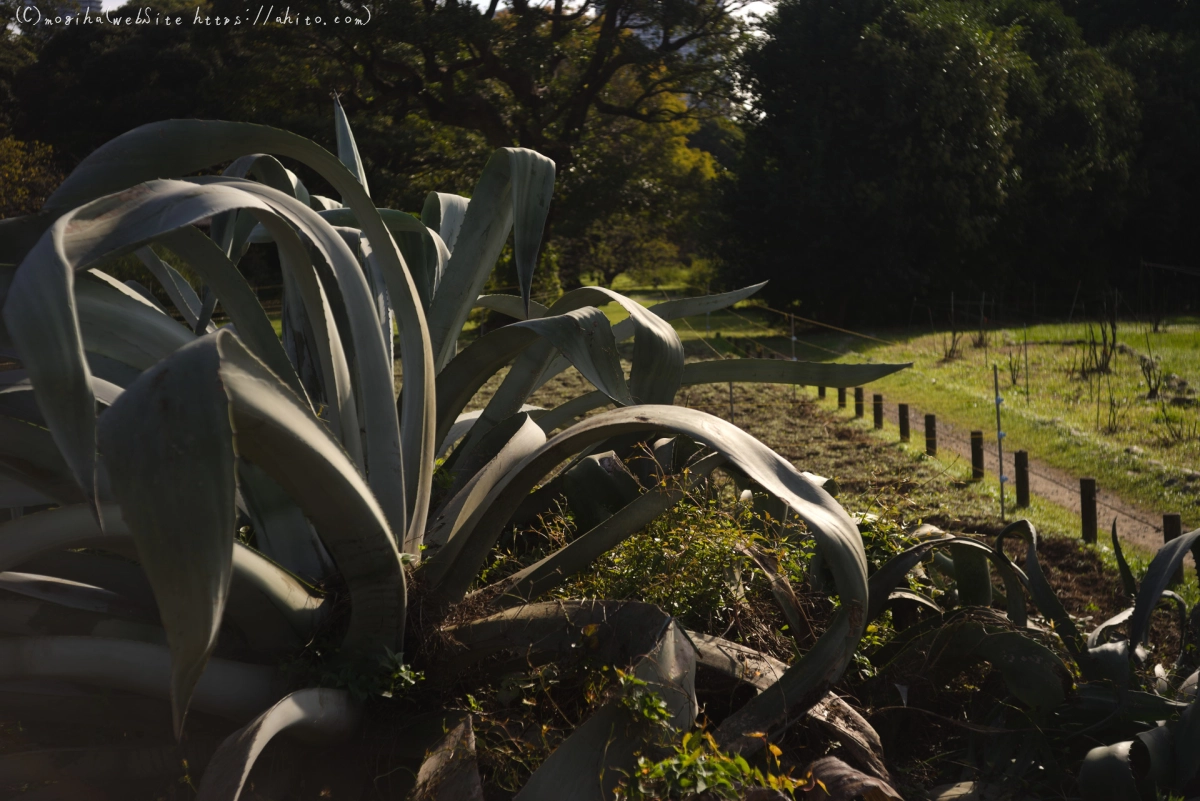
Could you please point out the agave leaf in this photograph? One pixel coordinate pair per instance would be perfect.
(840, 782)
(511, 305)
(778, 371)
(280, 529)
(836, 535)
(237, 299)
(549, 572)
(596, 486)
(381, 437)
(74, 595)
(317, 714)
(29, 617)
(424, 252)
(513, 191)
(668, 310)
(28, 455)
(16, 494)
(1043, 594)
(782, 591)
(724, 371)
(444, 213)
(346, 147)
(99, 570)
(884, 580)
(450, 772)
(566, 412)
(462, 424)
(272, 607)
(181, 147)
(40, 308)
(1150, 755)
(583, 334)
(657, 351)
(1128, 582)
(170, 424)
(1185, 741)
(278, 432)
(1158, 576)
(972, 579)
(1096, 637)
(178, 290)
(470, 505)
(228, 689)
(1106, 775)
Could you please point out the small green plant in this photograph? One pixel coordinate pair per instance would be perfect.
(697, 765)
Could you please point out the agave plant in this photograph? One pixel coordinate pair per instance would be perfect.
(1068, 689)
(136, 445)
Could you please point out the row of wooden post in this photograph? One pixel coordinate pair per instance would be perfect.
(1172, 523)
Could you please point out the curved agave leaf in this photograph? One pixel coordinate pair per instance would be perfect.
(237, 297)
(574, 557)
(511, 306)
(513, 191)
(834, 531)
(320, 715)
(99, 570)
(668, 310)
(169, 424)
(778, 371)
(28, 455)
(1128, 582)
(469, 506)
(228, 689)
(657, 351)
(381, 438)
(1106, 775)
(281, 530)
(278, 432)
(30, 617)
(723, 371)
(273, 600)
(1043, 594)
(184, 298)
(181, 147)
(583, 334)
(444, 214)
(40, 308)
(1158, 576)
(74, 595)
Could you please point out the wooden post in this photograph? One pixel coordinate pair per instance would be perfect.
(858, 401)
(877, 402)
(1172, 528)
(902, 415)
(1021, 459)
(931, 434)
(1087, 508)
(841, 397)
(976, 455)
(821, 393)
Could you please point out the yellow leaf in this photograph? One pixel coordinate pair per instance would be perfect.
(776, 750)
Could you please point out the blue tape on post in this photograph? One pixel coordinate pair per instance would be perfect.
(1002, 435)
(1003, 479)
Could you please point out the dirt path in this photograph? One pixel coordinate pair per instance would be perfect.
(1135, 524)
